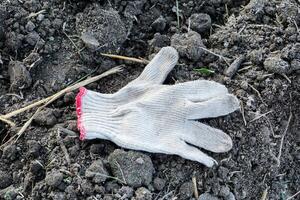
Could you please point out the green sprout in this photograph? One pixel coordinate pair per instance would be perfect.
(204, 71)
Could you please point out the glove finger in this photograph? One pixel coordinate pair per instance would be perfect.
(206, 137)
(192, 153)
(159, 67)
(214, 107)
(165, 145)
(200, 90)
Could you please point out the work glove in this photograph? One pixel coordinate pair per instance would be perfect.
(146, 115)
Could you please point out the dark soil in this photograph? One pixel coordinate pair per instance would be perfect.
(46, 45)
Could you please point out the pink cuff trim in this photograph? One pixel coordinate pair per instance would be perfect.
(82, 92)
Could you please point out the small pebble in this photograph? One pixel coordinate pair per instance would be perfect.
(97, 172)
(188, 45)
(143, 194)
(207, 196)
(159, 183)
(30, 26)
(54, 179)
(90, 41)
(275, 64)
(200, 22)
(186, 190)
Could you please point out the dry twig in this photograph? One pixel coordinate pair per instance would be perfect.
(282, 139)
(218, 55)
(125, 58)
(195, 187)
(293, 196)
(50, 99)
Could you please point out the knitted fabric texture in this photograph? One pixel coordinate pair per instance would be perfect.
(149, 116)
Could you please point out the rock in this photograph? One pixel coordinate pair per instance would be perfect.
(32, 38)
(40, 17)
(224, 191)
(33, 148)
(134, 8)
(97, 172)
(125, 192)
(275, 64)
(136, 168)
(54, 178)
(13, 41)
(30, 26)
(90, 41)
(159, 183)
(142, 194)
(291, 52)
(230, 196)
(207, 196)
(159, 40)
(223, 172)
(295, 65)
(19, 76)
(186, 190)
(46, 118)
(105, 26)
(10, 152)
(188, 45)
(87, 187)
(256, 57)
(5, 179)
(159, 24)
(200, 22)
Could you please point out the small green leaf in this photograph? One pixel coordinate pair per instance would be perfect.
(204, 71)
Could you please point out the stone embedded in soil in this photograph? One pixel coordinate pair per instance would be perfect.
(200, 22)
(32, 38)
(90, 41)
(46, 118)
(224, 191)
(275, 64)
(97, 172)
(19, 76)
(230, 196)
(188, 45)
(159, 24)
(30, 26)
(159, 183)
(33, 148)
(135, 168)
(142, 194)
(207, 196)
(10, 152)
(5, 179)
(125, 192)
(186, 190)
(295, 65)
(105, 25)
(54, 178)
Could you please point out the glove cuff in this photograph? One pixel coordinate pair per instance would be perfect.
(80, 126)
(95, 117)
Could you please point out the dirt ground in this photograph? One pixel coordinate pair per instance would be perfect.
(46, 45)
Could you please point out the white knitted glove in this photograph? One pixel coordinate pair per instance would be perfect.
(146, 115)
